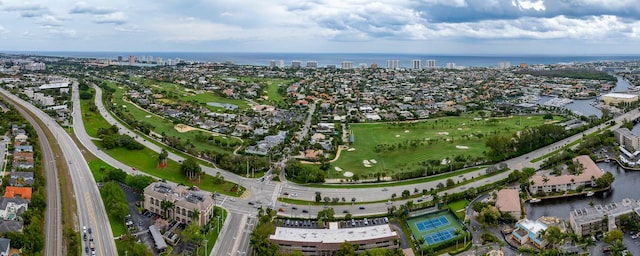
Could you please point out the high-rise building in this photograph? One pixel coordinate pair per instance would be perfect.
(374, 66)
(296, 64)
(416, 64)
(331, 66)
(504, 65)
(158, 60)
(281, 63)
(393, 64)
(362, 65)
(132, 60)
(120, 58)
(431, 64)
(451, 65)
(347, 65)
(312, 64)
(272, 63)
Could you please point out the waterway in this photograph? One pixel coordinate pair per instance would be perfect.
(624, 186)
(585, 107)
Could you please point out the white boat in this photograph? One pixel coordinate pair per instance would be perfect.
(534, 200)
(590, 193)
(607, 160)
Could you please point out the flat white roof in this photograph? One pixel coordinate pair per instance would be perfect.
(533, 226)
(620, 95)
(333, 234)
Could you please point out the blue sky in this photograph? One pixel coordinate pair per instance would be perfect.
(582, 27)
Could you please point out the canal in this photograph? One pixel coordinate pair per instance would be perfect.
(624, 186)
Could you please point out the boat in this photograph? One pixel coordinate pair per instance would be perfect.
(607, 160)
(534, 200)
(590, 193)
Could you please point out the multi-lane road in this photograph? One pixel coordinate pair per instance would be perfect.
(53, 217)
(91, 211)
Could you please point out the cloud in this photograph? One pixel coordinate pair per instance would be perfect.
(84, 8)
(114, 18)
(193, 30)
(50, 20)
(3, 30)
(59, 31)
(29, 10)
(127, 28)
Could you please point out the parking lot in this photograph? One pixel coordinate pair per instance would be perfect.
(140, 222)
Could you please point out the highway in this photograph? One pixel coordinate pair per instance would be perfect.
(53, 218)
(91, 211)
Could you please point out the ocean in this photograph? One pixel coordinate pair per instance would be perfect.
(324, 59)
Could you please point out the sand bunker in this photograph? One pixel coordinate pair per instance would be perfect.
(444, 161)
(183, 128)
(461, 147)
(459, 129)
(351, 149)
(367, 165)
(406, 131)
(397, 135)
(365, 162)
(373, 161)
(338, 169)
(443, 133)
(148, 116)
(348, 174)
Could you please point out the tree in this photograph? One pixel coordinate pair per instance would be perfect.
(318, 197)
(192, 234)
(605, 180)
(450, 182)
(190, 168)
(346, 249)
(554, 235)
(613, 236)
(166, 206)
(114, 200)
(195, 214)
(162, 158)
(406, 193)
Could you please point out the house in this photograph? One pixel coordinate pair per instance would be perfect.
(23, 148)
(5, 246)
(508, 200)
(530, 231)
(17, 192)
(20, 179)
(313, 154)
(11, 208)
(22, 138)
(567, 182)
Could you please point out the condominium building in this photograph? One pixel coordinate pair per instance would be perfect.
(504, 65)
(179, 201)
(312, 64)
(431, 64)
(590, 172)
(616, 98)
(327, 241)
(132, 60)
(393, 64)
(296, 64)
(416, 64)
(602, 218)
(347, 65)
(627, 139)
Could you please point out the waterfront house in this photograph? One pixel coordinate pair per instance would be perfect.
(508, 200)
(567, 182)
(530, 231)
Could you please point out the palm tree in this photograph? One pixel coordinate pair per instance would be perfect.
(166, 206)
(545, 179)
(195, 214)
(420, 243)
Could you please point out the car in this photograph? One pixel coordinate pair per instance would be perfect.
(385, 189)
(294, 208)
(305, 211)
(250, 203)
(89, 230)
(361, 208)
(84, 229)
(345, 211)
(285, 194)
(232, 199)
(86, 249)
(281, 210)
(419, 200)
(526, 157)
(84, 237)
(634, 236)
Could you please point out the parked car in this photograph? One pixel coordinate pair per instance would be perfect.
(305, 211)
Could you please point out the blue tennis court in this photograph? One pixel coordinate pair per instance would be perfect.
(433, 223)
(442, 235)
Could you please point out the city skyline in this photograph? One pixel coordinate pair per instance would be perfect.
(325, 26)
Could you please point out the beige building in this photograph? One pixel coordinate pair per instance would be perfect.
(627, 139)
(327, 241)
(602, 218)
(616, 98)
(181, 202)
(567, 182)
(508, 200)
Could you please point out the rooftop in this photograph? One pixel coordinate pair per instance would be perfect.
(620, 95)
(585, 215)
(333, 234)
(533, 226)
(508, 200)
(590, 170)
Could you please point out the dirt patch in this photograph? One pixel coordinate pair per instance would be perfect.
(184, 128)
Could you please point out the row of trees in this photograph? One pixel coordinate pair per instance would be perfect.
(111, 139)
(303, 173)
(507, 146)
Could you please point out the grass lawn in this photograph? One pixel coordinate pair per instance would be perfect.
(458, 207)
(145, 160)
(92, 120)
(272, 92)
(213, 234)
(203, 98)
(117, 226)
(434, 139)
(162, 125)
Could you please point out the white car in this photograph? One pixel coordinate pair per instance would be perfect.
(84, 229)
(634, 236)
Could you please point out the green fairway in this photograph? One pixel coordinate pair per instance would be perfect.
(407, 145)
(203, 97)
(161, 125)
(92, 120)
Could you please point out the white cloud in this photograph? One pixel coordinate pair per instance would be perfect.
(59, 31)
(115, 18)
(3, 30)
(82, 7)
(527, 5)
(191, 29)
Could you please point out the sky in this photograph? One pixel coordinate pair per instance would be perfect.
(572, 27)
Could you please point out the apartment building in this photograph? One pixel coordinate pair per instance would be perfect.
(179, 202)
